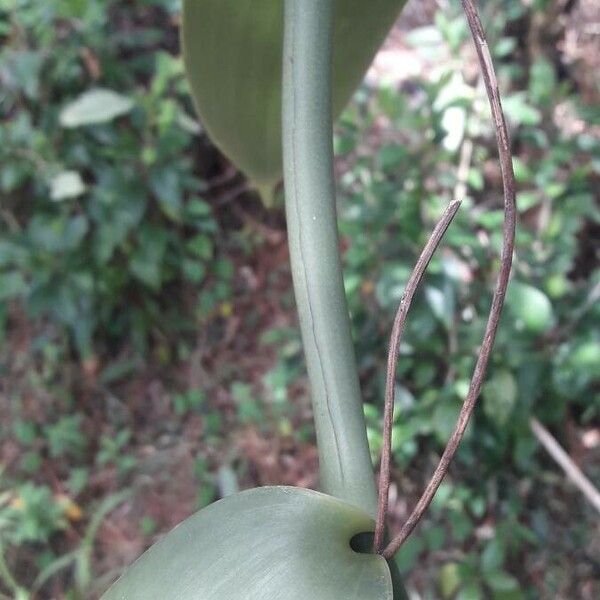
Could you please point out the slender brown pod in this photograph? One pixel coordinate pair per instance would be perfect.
(395, 338)
(508, 181)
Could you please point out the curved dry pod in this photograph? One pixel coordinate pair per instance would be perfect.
(233, 55)
(263, 544)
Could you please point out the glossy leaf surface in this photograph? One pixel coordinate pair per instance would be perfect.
(233, 56)
(263, 544)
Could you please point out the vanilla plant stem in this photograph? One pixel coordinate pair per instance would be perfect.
(345, 465)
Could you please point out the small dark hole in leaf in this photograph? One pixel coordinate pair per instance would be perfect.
(362, 543)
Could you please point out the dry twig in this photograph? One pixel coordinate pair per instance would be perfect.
(508, 181)
(573, 472)
(397, 330)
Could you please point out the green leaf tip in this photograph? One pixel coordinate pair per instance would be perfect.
(232, 51)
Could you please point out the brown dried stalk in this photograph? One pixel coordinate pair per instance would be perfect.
(508, 181)
(397, 331)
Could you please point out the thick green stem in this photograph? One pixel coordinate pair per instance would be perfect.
(345, 465)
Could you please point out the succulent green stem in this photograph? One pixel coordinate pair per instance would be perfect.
(345, 464)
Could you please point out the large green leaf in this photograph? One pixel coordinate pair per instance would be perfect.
(270, 543)
(233, 57)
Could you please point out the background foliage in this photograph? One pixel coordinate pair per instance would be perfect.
(150, 360)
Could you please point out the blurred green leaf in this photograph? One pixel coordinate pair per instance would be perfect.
(501, 582)
(530, 307)
(504, 47)
(471, 591)
(425, 36)
(499, 397)
(166, 187)
(444, 419)
(449, 579)
(492, 557)
(585, 358)
(67, 184)
(408, 555)
(542, 82)
(12, 284)
(200, 245)
(146, 260)
(57, 234)
(95, 106)
(519, 111)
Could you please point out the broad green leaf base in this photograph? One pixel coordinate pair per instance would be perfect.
(271, 543)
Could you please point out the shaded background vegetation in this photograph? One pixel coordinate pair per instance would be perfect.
(150, 360)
